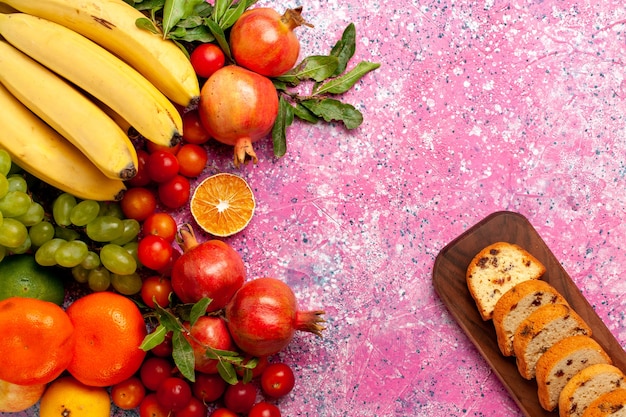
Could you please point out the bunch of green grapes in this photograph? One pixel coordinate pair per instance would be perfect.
(91, 238)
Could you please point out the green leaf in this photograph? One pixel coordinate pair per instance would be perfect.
(182, 352)
(221, 6)
(149, 5)
(227, 372)
(314, 67)
(331, 109)
(232, 14)
(197, 34)
(279, 130)
(172, 12)
(198, 310)
(251, 364)
(247, 375)
(280, 85)
(154, 339)
(305, 114)
(346, 82)
(203, 9)
(230, 354)
(220, 37)
(281, 82)
(167, 319)
(344, 48)
(190, 22)
(146, 24)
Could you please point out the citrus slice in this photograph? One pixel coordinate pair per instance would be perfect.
(223, 204)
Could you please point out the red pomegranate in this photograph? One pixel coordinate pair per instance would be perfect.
(210, 269)
(263, 316)
(208, 332)
(264, 41)
(238, 107)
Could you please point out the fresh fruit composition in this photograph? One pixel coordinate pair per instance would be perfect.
(105, 299)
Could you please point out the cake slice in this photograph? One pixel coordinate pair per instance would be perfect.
(561, 362)
(496, 269)
(542, 329)
(516, 305)
(587, 385)
(611, 404)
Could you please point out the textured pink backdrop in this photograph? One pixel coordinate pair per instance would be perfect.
(477, 107)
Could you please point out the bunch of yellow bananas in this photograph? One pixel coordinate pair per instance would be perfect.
(74, 74)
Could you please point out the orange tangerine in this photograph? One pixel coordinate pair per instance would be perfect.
(223, 204)
(37, 341)
(109, 329)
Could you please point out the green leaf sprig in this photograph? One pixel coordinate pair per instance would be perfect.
(171, 320)
(189, 21)
(329, 76)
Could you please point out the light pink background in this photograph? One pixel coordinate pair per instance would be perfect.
(477, 107)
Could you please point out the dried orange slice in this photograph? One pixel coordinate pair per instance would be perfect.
(223, 204)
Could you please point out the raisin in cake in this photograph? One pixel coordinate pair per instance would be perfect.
(542, 329)
(587, 385)
(495, 270)
(516, 305)
(561, 362)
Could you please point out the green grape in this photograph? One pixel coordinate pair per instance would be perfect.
(104, 228)
(44, 256)
(41, 233)
(117, 259)
(70, 254)
(80, 274)
(12, 233)
(34, 215)
(99, 279)
(14, 203)
(127, 284)
(131, 230)
(4, 186)
(5, 162)
(132, 248)
(91, 261)
(66, 233)
(111, 208)
(3, 252)
(17, 183)
(84, 212)
(23, 248)
(61, 208)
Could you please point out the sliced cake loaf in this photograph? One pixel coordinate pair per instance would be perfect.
(587, 385)
(516, 305)
(561, 362)
(496, 269)
(542, 329)
(611, 404)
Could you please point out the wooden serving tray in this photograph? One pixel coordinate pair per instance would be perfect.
(449, 282)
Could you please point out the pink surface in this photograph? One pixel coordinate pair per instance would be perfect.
(476, 108)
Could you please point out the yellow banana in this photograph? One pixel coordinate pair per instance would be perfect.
(69, 112)
(111, 23)
(5, 8)
(98, 72)
(123, 124)
(43, 152)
